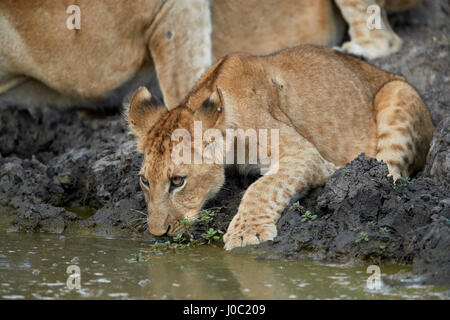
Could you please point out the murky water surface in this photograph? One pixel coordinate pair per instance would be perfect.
(34, 266)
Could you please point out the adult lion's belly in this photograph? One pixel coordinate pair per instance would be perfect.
(263, 27)
(88, 62)
(42, 62)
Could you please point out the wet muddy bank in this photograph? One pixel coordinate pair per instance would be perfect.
(361, 216)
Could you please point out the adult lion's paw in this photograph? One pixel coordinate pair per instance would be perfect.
(372, 49)
(355, 49)
(248, 235)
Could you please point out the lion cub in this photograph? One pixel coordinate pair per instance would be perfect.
(326, 108)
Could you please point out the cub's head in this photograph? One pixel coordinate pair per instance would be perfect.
(175, 186)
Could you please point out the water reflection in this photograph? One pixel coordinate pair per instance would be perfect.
(33, 266)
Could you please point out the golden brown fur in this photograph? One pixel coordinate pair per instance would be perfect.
(371, 43)
(121, 44)
(328, 108)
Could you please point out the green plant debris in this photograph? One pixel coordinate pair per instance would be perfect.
(362, 236)
(185, 238)
(185, 226)
(443, 220)
(212, 235)
(400, 182)
(138, 257)
(371, 224)
(179, 238)
(308, 216)
(383, 230)
(206, 216)
(403, 181)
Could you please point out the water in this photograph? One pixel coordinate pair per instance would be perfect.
(34, 266)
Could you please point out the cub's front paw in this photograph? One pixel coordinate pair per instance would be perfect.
(243, 235)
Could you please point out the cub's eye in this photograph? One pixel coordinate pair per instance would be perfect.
(176, 181)
(144, 182)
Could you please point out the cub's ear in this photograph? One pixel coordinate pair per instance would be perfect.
(211, 112)
(142, 115)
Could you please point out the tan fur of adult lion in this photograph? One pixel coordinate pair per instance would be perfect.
(371, 42)
(43, 62)
(120, 43)
(328, 108)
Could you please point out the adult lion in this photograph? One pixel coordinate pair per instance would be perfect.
(120, 43)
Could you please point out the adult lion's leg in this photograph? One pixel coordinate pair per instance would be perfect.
(180, 44)
(404, 128)
(369, 42)
(300, 168)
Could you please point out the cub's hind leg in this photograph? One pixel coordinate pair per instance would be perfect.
(404, 128)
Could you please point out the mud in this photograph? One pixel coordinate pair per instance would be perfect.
(438, 159)
(60, 173)
(363, 217)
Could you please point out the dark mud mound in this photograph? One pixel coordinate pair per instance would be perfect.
(61, 173)
(59, 163)
(360, 215)
(438, 159)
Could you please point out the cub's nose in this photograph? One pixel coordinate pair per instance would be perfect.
(159, 231)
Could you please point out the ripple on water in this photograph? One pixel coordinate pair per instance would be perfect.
(13, 297)
(207, 273)
(118, 295)
(101, 280)
(54, 284)
(40, 297)
(25, 265)
(144, 283)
